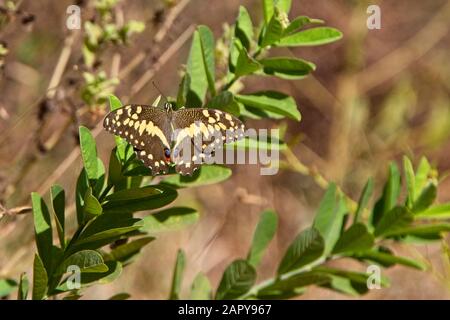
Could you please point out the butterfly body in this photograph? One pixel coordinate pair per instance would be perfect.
(163, 136)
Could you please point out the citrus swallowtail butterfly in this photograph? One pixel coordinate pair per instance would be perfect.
(162, 136)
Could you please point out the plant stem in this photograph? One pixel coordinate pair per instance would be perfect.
(284, 276)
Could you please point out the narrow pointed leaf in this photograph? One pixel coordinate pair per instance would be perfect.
(363, 200)
(58, 202)
(43, 230)
(265, 230)
(177, 276)
(89, 153)
(170, 219)
(40, 279)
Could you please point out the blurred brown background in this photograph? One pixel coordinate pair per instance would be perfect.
(376, 95)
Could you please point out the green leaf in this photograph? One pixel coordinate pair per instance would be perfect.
(284, 5)
(91, 205)
(108, 227)
(120, 296)
(224, 101)
(292, 286)
(237, 279)
(388, 199)
(265, 230)
(426, 198)
(139, 199)
(202, 47)
(177, 276)
(329, 217)
(89, 153)
(125, 152)
(115, 168)
(170, 219)
(441, 211)
(273, 32)
(43, 230)
(87, 260)
(410, 181)
(345, 286)
(355, 277)
(82, 187)
(201, 288)
(246, 64)
(363, 200)
(208, 53)
(387, 259)
(22, 293)
(128, 250)
(272, 101)
(356, 238)
(207, 174)
(287, 68)
(235, 49)
(255, 113)
(311, 37)
(7, 286)
(114, 102)
(100, 181)
(271, 143)
(307, 247)
(299, 23)
(58, 202)
(426, 230)
(269, 8)
(40, 279)
(395, 219)
(244, 27)
(422, 174)
(113, 271)
(183, 90)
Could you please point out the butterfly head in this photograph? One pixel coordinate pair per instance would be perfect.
(168, 107)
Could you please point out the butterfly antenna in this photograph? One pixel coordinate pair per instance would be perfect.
(160, 92)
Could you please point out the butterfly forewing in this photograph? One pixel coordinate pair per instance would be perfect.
(147, 129)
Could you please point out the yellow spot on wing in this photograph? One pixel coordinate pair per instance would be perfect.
(155, 131)
(142, 127)
(205, 113)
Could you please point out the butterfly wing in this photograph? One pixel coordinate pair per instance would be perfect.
(147, 129)
(198, 133)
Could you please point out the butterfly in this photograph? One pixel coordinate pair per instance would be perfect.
(161, 136)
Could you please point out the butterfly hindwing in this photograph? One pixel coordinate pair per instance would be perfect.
(147, 129)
